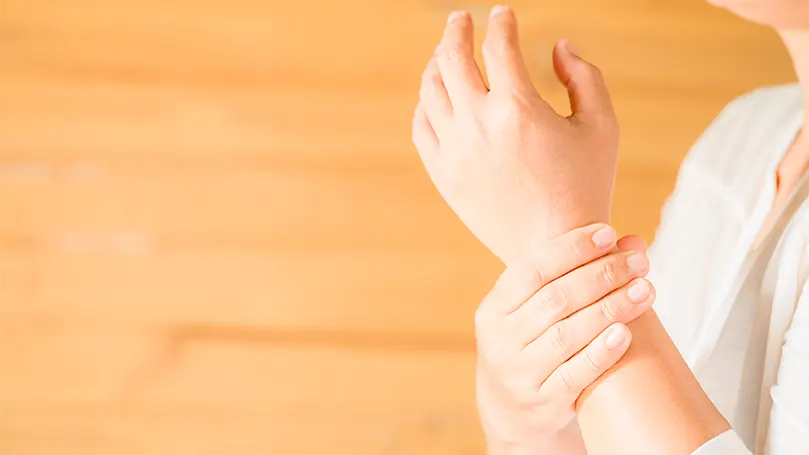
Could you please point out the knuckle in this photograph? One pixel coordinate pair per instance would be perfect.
(553, 299)
(579, 246)
(611, 310)
(494, 45)
(512, 115)
(528, 405)
(452, 52)
(481, 317)
(592, 361)
(610, 130)
(516, 106)
(490, 353)
(518, 388)
(593, 72)
(429, 80)
(607, 127)
(531, 272)
(558, 336)
(611, 272)
(568, 379)
(542, 398)
(416, 136)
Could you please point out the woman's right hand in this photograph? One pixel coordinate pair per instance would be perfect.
(552, 324)
(513, 170)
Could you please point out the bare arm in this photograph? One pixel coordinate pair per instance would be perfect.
(517, 173)
(649, 402)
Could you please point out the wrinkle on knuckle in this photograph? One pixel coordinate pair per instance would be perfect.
(579, 246)
(609, 273)
(611, 311)
(452, 53)
(553, 301)
(567, 379)
(557, 336)
(591, 361)
(532, 273)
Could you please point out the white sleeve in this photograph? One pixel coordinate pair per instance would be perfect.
(789, 417)
(727, 443)
(788, 432)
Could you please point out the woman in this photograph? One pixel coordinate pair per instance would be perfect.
(556, 373)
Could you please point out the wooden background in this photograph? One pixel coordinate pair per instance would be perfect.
(216, 235)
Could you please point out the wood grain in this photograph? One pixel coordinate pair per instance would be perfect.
(216, 236)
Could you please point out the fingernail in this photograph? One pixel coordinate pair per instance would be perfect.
(456, 15)
(570, 48)
(616, 337)
(604, 237)
(637, 262)
(639, 291)
(499, 9)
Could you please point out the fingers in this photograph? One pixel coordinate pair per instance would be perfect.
(423, 135)
(570, 379)
(434, 99)
(568, 336)
(576, 290)
(547, 263)
(505, 65)
(632, 242)
(456, 60)
(589, 99)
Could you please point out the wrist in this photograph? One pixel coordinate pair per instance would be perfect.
(567, 441)
(545, 229)
(545, 444)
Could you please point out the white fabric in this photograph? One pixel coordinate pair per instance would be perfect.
(739, 314)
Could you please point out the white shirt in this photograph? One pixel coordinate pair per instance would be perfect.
(739, 314)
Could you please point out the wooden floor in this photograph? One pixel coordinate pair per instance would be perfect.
(217, 238)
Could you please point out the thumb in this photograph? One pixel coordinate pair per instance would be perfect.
(589, 98)
(632, 243)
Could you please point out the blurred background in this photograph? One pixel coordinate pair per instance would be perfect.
(216, 234)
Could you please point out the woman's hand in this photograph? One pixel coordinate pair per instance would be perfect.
(552, 324)
(510, 167)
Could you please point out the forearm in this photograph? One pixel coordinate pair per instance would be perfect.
(565, 442)
(649, 402)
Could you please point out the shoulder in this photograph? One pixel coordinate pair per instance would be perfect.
(778, 96)
(716, 193)
(739, 152)
(746, 128)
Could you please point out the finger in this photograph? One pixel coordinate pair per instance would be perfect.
(456, 60)
(424, 137)
(547, 263)
(632, 242)
(505, 65)
(570, 379)
(568, 336)
(589, 98)
(576, 290)
(434, 99)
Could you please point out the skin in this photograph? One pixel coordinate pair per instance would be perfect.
(795, 163)
(525, 165)
(554, 322)
(523, 146)
(622, 396)
(548, 169)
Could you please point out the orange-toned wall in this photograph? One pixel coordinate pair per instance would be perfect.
(216, 235)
